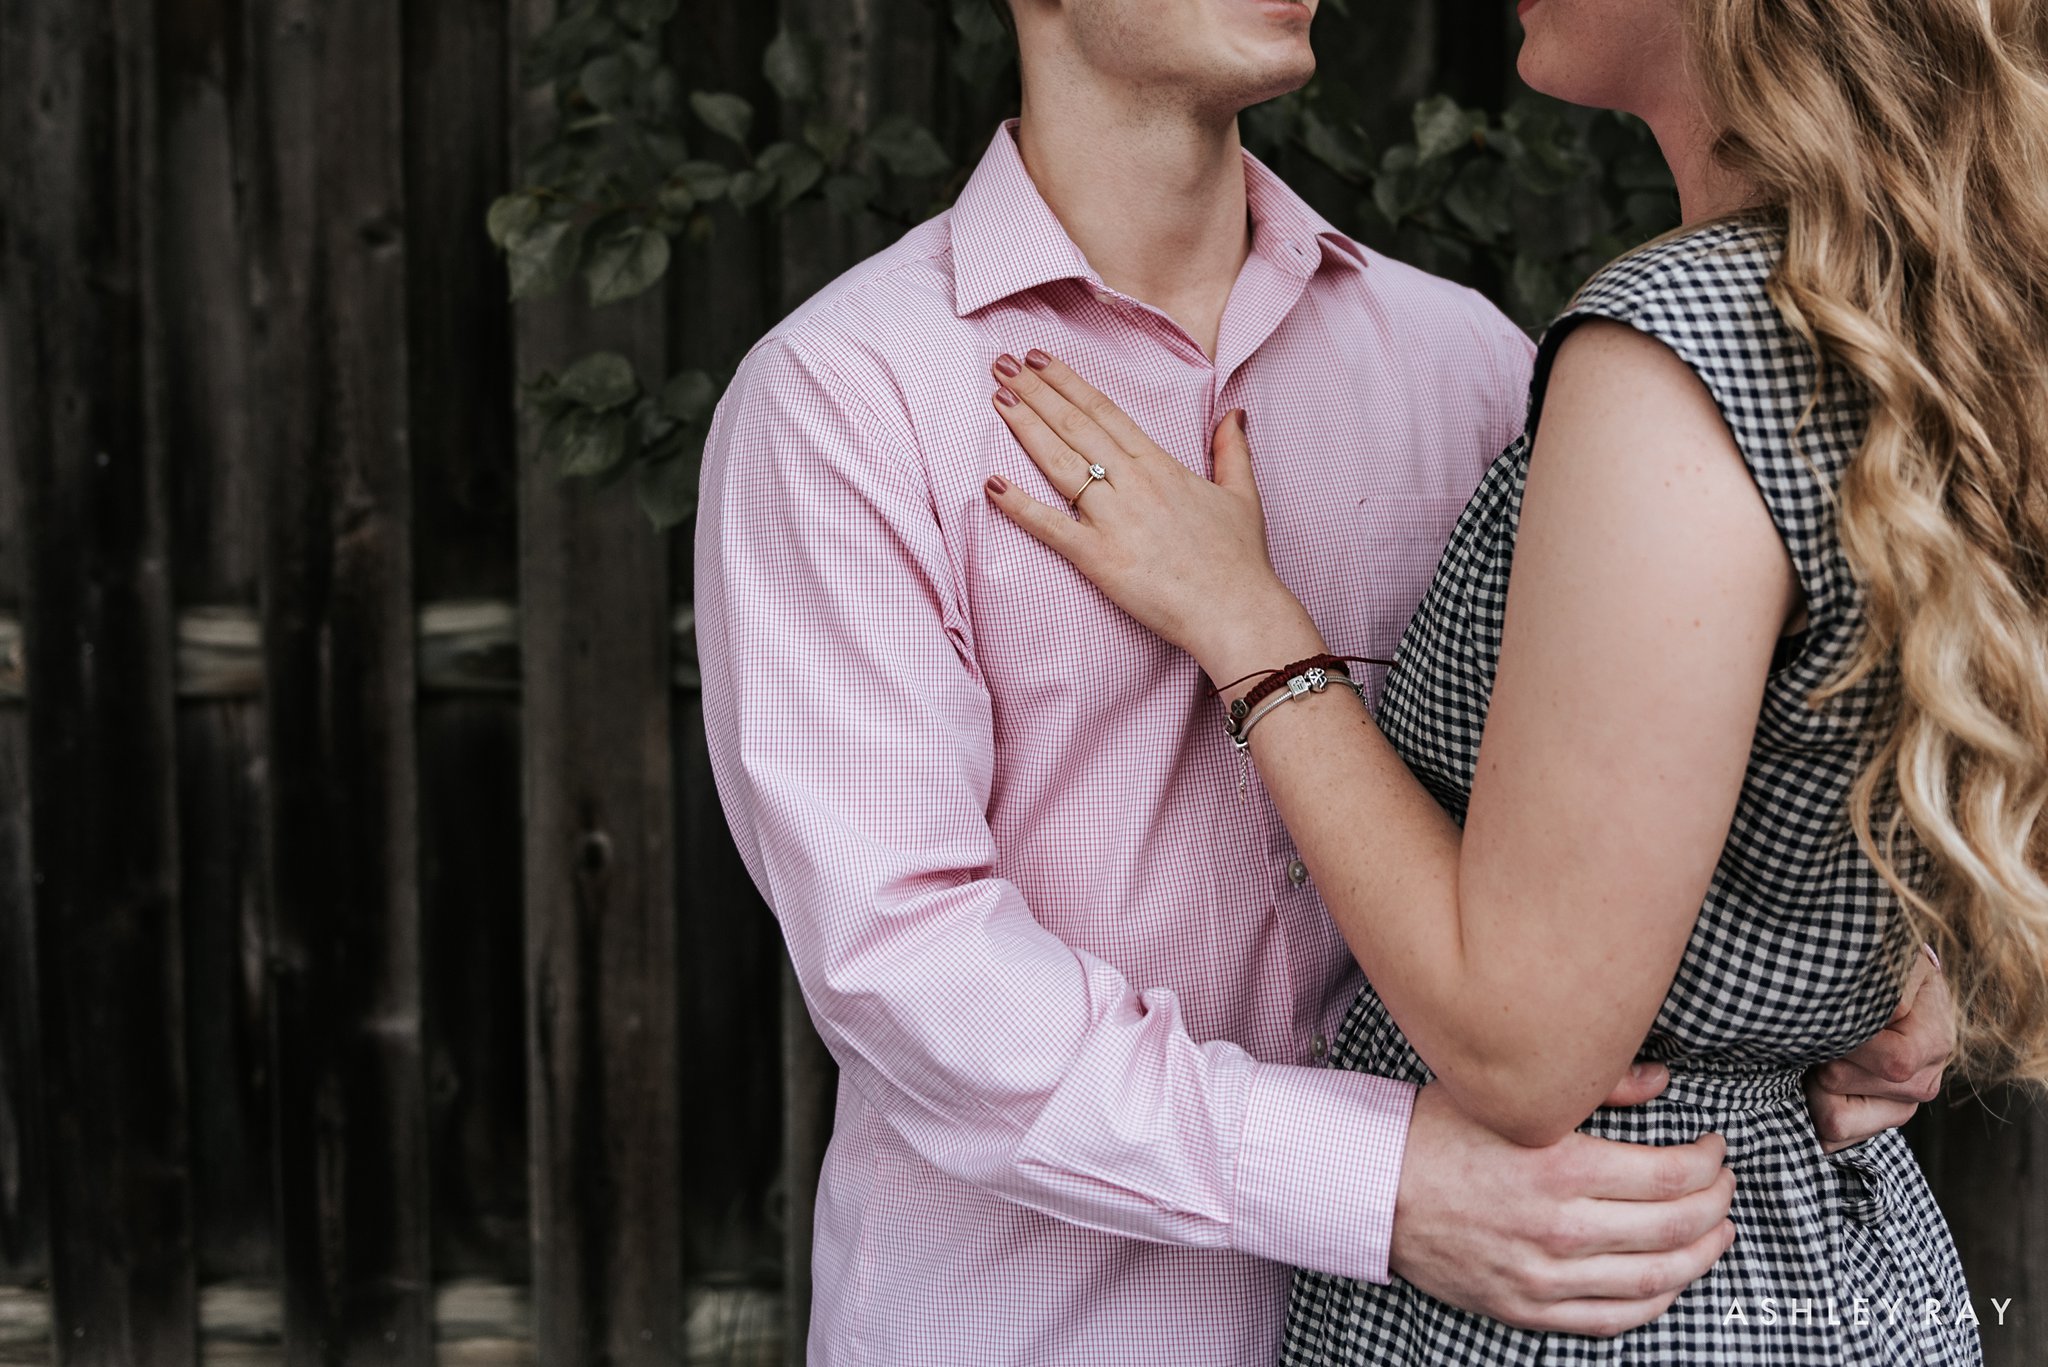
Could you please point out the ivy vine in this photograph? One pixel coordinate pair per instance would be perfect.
(1525, 203)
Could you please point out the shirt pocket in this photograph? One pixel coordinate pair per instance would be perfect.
(1402, 539)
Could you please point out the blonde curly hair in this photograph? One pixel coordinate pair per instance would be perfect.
(1903, 146)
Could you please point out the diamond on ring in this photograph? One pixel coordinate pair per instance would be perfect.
(1095, 472)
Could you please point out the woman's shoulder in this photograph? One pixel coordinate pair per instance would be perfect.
(1705, 294)
(1694, 274)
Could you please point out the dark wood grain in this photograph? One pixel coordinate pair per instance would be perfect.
(24, 1226)
(734, 1195)
(1986, 1158)
(83, 375)
(216, 552)
(605, 1117)
(465, 474)
(351, 1133)
(24, 1181)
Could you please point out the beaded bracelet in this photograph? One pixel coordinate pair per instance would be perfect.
(1314, 679)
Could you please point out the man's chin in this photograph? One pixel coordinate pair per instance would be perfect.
(1277, 80)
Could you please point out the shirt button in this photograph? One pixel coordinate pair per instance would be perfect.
(1319, 1049)
(1297, 873)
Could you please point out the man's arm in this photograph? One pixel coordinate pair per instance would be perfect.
(851, 740)
(852, 746)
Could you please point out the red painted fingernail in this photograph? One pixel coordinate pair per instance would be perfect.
(998, 485)
(1006, 364)
(1005, 397)
(1037, 359)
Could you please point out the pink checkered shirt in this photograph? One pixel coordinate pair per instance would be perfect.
(1079, 989)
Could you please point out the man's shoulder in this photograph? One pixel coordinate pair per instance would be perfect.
(1433, 301)
(899, 291)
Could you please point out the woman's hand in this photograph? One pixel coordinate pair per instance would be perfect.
(1184, 555)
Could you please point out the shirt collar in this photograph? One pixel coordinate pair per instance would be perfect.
(1006, 239)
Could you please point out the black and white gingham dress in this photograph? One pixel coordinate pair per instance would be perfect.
(1798, 953)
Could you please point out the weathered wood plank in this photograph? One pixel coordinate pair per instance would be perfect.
(464, 645)
(339, 681)
(221, 782)
(728, 292)
(605, 1116)
(216, 551)
(1986, 1160)
(24, 1228)
(730, 997)
(467, 537)
(84, 374)
(477, 1323)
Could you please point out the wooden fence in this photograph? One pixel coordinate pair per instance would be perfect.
(370, 938)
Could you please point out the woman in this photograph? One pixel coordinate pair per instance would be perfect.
(1764, 698)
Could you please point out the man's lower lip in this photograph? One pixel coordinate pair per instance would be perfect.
(1525, 7)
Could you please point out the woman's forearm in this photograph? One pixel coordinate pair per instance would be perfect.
(1517, 1053)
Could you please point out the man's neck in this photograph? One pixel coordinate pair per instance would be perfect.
(1154, 198)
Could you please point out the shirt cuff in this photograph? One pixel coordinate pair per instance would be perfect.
(1318, 1168)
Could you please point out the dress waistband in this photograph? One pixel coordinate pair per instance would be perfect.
(1733, 1091)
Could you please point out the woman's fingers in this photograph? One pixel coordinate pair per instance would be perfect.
(1064, 468)
(1048, 524)
(1084, 397)
(1232, 455)
(1073, 425)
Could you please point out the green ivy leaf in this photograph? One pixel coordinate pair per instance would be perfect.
(666, 489)
(908, 148)
(688, 396)
(852, 193)
(976, 22)
(1441, 127)
(788, 67)
(1327, 146)
(661, 93)
(542, 258)
(1478, 198)
(607, 82)
(727, 115)
(707, 179)
(1395, 192)
(511, 215)
(601, 381)
(675, 199)
(644, 14)
(750, 188)
(626, 263)
(1536, 285)
(827, 138)
(651, 425)
(583, 442)
(795, 168)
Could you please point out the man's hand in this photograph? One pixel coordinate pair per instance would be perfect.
(1881, 1084)
(1583, 1237)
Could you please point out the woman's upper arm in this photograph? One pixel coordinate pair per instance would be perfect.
(1648, 589)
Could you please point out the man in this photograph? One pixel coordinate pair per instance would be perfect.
(1076, 980)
